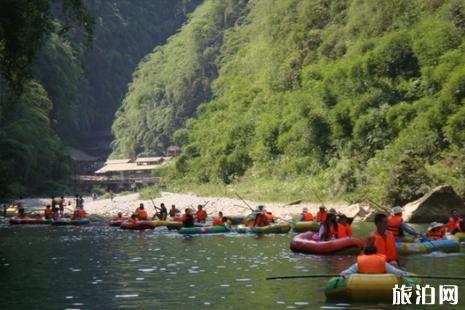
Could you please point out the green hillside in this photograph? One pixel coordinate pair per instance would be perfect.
(344, 98)
(64, 67)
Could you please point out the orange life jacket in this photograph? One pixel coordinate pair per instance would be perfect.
(48, 213)
(386, 246)
(321, 216)
(218, 221)
(261, 220)
(201, 216)
(394, 224)
(343, 230)
(269, 217)
(453, 224)
(435, 234)
(307, 216)
(371, 263)
(142, 214)
(176, 219)
(79, 213)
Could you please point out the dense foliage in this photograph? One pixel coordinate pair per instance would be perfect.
(356, 96)
(55, 85)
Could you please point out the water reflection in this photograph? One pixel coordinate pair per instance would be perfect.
(100, 266)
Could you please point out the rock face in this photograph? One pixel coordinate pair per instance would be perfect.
(434, 206)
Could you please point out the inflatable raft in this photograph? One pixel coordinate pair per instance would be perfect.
(160, 223)
(116, 222)
(366, 287)
(172, 225)
(139, 225)
(68, 221)
(442, 245)
(278, 228)
(306, 226)
(459, 237)
(304, 243)
(203, 230)
(28, 220)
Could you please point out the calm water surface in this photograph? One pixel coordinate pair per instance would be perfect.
(101, 267)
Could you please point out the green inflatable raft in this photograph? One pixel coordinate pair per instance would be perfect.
(203, 230)
(306, 226)
(278, 228)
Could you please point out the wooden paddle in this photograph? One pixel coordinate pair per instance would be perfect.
(297, 202)
(337, 275)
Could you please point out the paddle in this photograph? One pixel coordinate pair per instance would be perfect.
(337, 275)
(297, 202)
(244, 202)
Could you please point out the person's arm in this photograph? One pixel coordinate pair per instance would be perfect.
(409, 229)
(395, 271)
(351, 270)
(321, 231)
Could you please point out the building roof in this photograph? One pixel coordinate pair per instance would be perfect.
(117, 161)
(124, 167)
(78, 155)
(148, 159)
(173, 148)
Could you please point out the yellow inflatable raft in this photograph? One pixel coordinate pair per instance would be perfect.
(306, 226)
(366, 287)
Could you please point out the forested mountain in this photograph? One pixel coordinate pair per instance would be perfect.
(64, 67)
(342, 96)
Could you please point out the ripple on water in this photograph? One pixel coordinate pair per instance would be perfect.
(127, 295)
(243, 280)
(146, 269)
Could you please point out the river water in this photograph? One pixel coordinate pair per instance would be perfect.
(101, 267)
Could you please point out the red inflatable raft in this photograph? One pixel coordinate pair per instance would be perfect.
(117, 221)
(15, 220)
(304, 243)
(139, 225)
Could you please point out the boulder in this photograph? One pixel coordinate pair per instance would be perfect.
(435, 206)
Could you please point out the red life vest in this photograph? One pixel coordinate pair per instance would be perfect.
(261, 220)
(394, 224)
(142, 214)
(201, 216)
(343, 230)
(307, 216)
(48, 213)
(453, 224)
(321, 216)
(218, 221)
(386, 246)
(269, 217)
(371, 264)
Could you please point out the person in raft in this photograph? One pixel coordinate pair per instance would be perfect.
(79, 214)
(134, 219)
(161, 213)
(48, 212)
(187, 218)
(328, 229)
(305, 216)
(200, 215)
(343, 227)
(21, 212)
(384, 240)
(173, 213)
(397, 226)
(436, 231)
(141, 213)
(454, 221)
(261, 217)
(218, 221)
(321, 215)
(372, 262)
